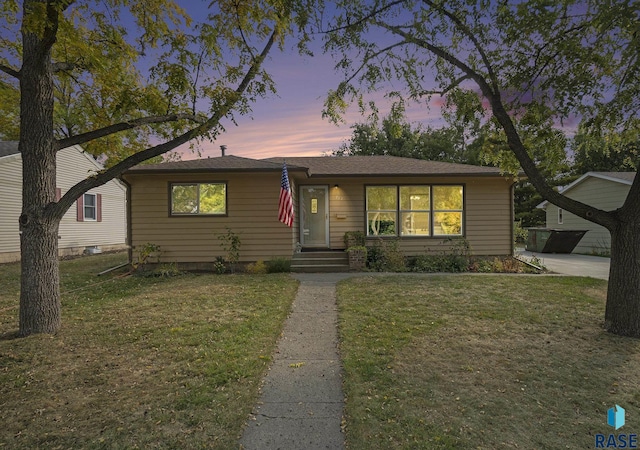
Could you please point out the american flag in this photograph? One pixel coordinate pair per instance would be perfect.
(285, 208)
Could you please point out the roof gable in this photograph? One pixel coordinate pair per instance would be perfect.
(625, 178)
(8, 148)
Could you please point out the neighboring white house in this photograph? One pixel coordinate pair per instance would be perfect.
(603, 190)
(97, 220)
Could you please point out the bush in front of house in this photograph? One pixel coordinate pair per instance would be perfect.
(278, 265)
(386, 256)
(439, 263)
(258, 267)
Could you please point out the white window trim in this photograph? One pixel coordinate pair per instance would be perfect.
(84, 208)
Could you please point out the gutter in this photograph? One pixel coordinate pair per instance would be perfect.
(129, 226)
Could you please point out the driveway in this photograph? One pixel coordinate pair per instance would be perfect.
(572, 264)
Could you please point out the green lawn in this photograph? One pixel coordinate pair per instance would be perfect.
(139, 362)
(482, 362)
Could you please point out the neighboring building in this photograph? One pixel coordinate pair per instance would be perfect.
(184, 206)
(98, 219)
(602, 190)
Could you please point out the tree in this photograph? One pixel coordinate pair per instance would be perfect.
(126, 73)
(597, 154)
(395, 136)
(559, 60)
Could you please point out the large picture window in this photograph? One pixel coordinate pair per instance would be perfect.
(188, 199)
(415, 210)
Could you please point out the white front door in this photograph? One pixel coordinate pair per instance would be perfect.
(314, 216)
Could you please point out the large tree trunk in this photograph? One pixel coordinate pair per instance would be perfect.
(40, 292)
(622, 314)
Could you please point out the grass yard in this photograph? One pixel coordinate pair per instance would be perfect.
(139, 362)
(482, 362)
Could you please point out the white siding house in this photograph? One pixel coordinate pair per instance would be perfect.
(97, 220)
(603, 190)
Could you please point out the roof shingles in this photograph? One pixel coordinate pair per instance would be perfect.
(383, 165)
(323, 166)
(218, 164)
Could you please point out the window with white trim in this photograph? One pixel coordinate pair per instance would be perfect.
(192, 199)
(415, 210)
(89, 208)
(560, 218)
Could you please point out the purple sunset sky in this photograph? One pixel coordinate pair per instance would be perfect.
(290, 122)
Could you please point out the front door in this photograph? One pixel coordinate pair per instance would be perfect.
(314, 216)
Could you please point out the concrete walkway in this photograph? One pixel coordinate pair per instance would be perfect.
(301, 403)
(573, 264)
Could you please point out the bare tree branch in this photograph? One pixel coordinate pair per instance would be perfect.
(58, 209)
(10, 71)
(465, 29)
(444, 91)
(368, 58)
(371, 15)
(122, 126)
(513, 138)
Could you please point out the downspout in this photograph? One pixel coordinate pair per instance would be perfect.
(512, 189)
(129, 227)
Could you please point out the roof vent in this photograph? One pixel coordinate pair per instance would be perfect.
(223, 149)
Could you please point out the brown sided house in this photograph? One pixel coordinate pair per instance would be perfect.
(184, 206)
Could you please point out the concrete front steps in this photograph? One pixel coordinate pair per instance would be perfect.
(320, 262)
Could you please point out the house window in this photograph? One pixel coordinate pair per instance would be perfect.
(189, 199)
(415, 210)
(560, 218)
(382, 210)
(447, 210)
(89, 208)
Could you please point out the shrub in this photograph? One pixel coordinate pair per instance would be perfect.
(440, 263)
(520, 235)
(230, 243)
(257, 267)
(278, 265)
(386, 256)
(457, 259)
(168, 270)
(146, 251)
(219, 265)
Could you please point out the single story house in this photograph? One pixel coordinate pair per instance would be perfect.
(603, 190)
(183, 207)
(98, 222)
